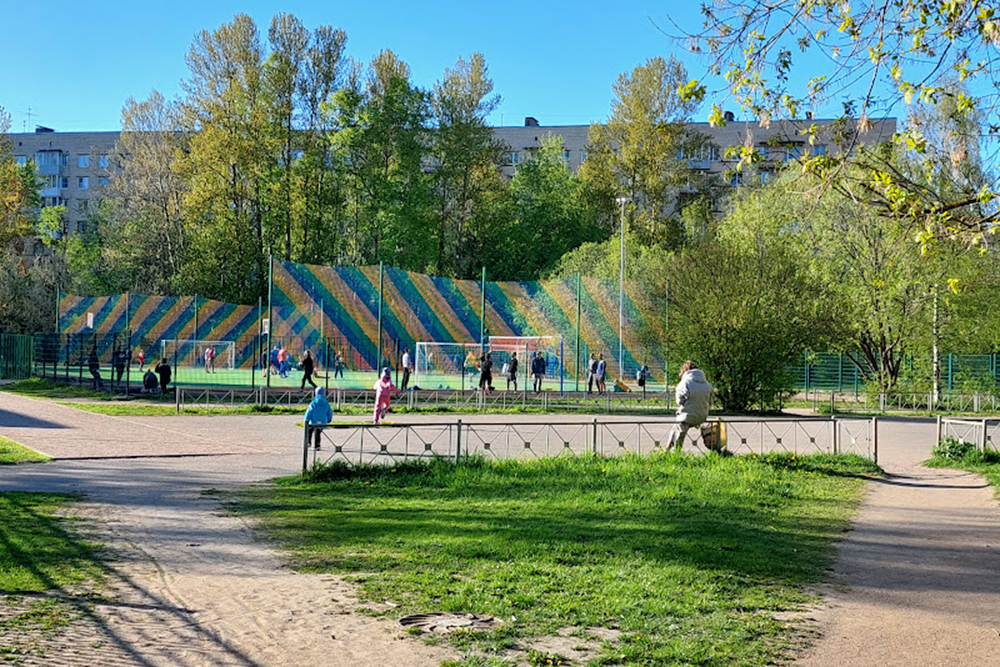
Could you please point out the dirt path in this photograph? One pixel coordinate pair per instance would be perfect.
(190, 587)
(917, 581)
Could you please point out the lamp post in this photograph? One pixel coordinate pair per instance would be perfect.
(621, 293)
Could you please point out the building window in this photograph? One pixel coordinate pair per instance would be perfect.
(81, 226)
(64, 160)
(64, 182)
(22, 160)
(737, 177)
(765, 176)
(83, 183)
(51, 181)
(819, 150)
(515, 158)
(104, 181)
(83, 160)
(102, 161)
(583, 156)
(83, 205)
(566, 157)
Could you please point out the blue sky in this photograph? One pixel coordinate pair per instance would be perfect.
(75, 63)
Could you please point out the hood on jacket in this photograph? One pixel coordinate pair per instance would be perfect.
(695, 375)
(320, 391)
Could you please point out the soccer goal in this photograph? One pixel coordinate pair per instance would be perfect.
(456, 365)
(194, 353)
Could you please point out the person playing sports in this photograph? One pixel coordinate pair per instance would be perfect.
(308, 367)
(209, 359)
(384, 388)
(486, 374)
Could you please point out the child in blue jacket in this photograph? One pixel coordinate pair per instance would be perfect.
(318, 413)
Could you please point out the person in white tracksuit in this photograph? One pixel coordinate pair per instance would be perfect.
(694, 398)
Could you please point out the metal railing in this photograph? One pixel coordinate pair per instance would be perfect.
(979, 432)
(393, 443)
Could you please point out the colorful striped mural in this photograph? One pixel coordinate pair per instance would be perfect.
(342, 303)
(151, 319)
(329, 309)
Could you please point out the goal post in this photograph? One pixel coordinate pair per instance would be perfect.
(192, 353)
(439, 365)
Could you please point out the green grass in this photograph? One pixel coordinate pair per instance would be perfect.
(13, 452)
(688, 557)
(47, 573)
(952, 453)
(43, 388)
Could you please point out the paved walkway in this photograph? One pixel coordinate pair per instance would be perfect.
(916, 582)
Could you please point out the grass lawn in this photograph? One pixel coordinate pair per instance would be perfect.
(685, 558)
(12, 452)
(952, 453)
(47, 573)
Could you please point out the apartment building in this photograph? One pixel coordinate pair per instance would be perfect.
(75, 166)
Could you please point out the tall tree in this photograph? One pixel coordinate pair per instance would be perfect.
(465, 158)
(637, 154)
(379, 141)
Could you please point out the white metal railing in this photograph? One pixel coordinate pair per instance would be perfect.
(392, 443)
(979, 432)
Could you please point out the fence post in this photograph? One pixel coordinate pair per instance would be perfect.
(594, 444)
(305, 447)
(177, 398)
(836, 435)
(458, 442)
(984, 437)
(939, 428)
(875, 438)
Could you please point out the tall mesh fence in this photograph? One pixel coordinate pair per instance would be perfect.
(365, 310)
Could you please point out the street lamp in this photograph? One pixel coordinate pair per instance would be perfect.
(621, 293)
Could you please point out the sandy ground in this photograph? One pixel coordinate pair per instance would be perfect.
(916, 582)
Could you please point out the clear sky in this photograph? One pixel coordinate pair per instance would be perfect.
(75, 63)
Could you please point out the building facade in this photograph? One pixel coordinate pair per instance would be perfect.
(76, 166)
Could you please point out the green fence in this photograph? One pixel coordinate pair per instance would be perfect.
(17, 354)
(960, 373)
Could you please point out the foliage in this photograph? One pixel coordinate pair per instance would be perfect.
(637, 153)
(744, 305)
(953, 450)
(689, 557)
(903, 51)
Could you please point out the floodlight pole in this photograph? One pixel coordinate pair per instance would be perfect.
(621, 294)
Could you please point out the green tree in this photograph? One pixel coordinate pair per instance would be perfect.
(638, 152)
(897, 51)
(744, 303)
(379, 140)
(19, 194)
(465, 158)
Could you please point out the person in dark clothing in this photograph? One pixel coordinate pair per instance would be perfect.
(163, 370)
(512, 371)
(538, 370)
(407, 369)
(486, 374)
(94, 366)
(308, 367)
(120, 361)
(149, 382)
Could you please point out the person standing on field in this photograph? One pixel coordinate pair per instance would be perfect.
(538, 371)
(407, 369)
(512, 371)
(163, 370)
(209, 359)
(591, 372)
(694, 398)
(599, 373)
(308, 367)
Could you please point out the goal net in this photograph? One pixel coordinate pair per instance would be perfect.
(455, 365)
(207, 354)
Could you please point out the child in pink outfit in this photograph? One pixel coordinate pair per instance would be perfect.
(384, 389)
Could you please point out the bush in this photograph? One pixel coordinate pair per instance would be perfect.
(952, 449)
